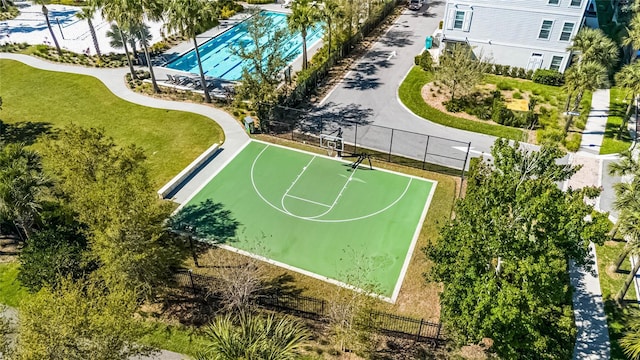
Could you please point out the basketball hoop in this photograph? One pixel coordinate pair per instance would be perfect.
(333, 144)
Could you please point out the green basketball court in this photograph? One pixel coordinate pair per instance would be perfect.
(316, 215)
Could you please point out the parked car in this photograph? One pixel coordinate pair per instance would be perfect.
(415, 4)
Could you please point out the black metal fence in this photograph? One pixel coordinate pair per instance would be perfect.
(403, 147)
(394, 325)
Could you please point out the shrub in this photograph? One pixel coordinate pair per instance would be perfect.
(455, 105)
(572, 143)
(548, 77)
(504, 86)
(506, 70)
(482, 112)
(517, 95)
(498, 69)
(521, 73)
(425, 61)
(529, 75)
(550, 135)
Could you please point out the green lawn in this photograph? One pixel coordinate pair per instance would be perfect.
(37, 102)
(411, 97)
(11, 291)
(616, 139)
(610, 283)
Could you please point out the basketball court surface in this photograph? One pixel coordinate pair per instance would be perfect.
(321, 216)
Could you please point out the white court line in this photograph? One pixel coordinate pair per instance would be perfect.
(302, 271)
(215, 173)
(255, 188)
(335, 201)
(307, 200)
(292, 184)
(412, 247)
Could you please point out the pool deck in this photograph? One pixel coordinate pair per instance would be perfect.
(186, 46)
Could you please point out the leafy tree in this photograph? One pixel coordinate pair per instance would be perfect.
(79, 320)
(504, 258)
(580, 78)
(87, 13)
(118, 12)
(108, 188)
(190, 18)
(266, 58)
(56, 251)
(459, 70)
(629, 79)
(253, 336)
(303, 16)
(594, 45)
(22, 186)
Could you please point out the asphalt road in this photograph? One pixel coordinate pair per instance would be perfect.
(368, 94)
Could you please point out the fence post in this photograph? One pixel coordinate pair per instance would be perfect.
(438, 334)
(322, 308)
(464, 166)
(292, 128)
(419, 330)
(193, 287)
(426, 150)
(390, 145)
(355, 141)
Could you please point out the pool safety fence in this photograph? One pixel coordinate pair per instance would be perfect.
(422, 151)
(393, 325)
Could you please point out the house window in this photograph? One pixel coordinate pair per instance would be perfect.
(556, 61)
(545, 29)
(458, 21)
(576, 3)
(554, 2)
(567, 29)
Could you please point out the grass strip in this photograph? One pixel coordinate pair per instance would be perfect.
(411, 96)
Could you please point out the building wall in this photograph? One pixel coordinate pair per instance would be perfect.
(508, 30)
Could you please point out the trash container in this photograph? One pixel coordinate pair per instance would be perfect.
(428, 43)
(249, 124)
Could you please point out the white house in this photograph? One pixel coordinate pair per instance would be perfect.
(531, 34)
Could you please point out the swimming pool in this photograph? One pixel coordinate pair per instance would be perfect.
(219, 62)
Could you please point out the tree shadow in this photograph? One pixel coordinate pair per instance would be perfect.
(283, 284)
(398, 38)
(330, 116)
(27, 132)
(207, 221)
(358, 82)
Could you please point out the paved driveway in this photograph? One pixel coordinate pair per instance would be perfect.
(368, 92)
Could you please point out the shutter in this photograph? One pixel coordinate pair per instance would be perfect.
(450, 18)
(467, 20)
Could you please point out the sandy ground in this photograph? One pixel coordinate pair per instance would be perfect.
(72, 33)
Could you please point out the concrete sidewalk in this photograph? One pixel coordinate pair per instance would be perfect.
(593, 134)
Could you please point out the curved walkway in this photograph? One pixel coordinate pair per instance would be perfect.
(113, 79)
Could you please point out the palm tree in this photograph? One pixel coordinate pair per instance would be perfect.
(22, 185)
(87, 14)
(303, 16)
(627, 204)
(253, 336)
(45, 11)
(130, 15)
(595, 45)
(330, 11)
(116, 11)
(581, 77)
(190, 18)
(630, 342)
(629, 78)
(633, 35)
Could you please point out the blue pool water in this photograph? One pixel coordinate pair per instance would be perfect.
(217, 60)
